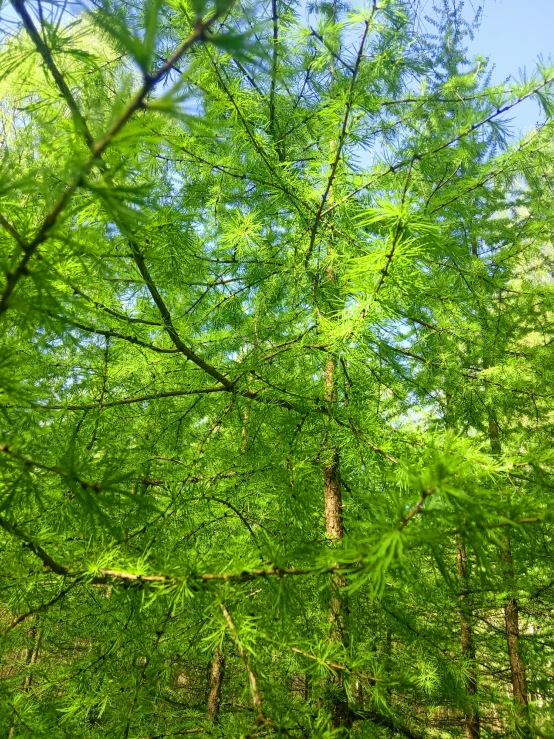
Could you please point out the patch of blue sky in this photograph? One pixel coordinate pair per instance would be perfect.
(514, 37)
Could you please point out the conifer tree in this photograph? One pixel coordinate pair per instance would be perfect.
(275, 375)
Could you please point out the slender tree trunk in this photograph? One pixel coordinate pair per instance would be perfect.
(216, 680)
(472, 723)
(494, 434)
(332, 495)
(511, 619)
(274, 65)
(511, 615)
(244, 442)
(332, 492)
(341, 714)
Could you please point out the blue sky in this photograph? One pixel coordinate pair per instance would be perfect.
(512, 34)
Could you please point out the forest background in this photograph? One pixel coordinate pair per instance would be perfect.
(276, 373)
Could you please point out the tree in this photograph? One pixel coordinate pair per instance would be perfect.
(276, 370)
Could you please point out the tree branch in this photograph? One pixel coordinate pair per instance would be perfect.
(97, 149)
(95, 486)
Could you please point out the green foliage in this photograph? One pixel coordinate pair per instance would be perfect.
(251, 262)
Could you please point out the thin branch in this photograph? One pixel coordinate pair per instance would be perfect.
(179, 732)
(447, 144)
(258, 704)
(335, 665)
(39, 609)
(320, 38)
(168, 321)
(342, 138)
(36, 549)
(274, 61)
(5, 449)
(416, 509)
(114, 334)
(136, 399)
(44, 51)
(98, 148)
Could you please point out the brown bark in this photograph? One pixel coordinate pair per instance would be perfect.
(494, 434)
(511, 619)
(334, 528)
(244, 442)
(332, 492)
(511, 614)
(216, 680)
(341, 713)
(342, 716)
(472, 723)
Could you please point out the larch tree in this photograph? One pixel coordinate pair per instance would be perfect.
(276, 316)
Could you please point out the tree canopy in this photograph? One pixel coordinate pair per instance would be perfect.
(276, 316)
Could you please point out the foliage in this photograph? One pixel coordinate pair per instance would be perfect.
(250, 254)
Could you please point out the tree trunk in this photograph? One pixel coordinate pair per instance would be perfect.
(341, 714)
(511, 615)
(494, 434)
(511, 619)
(216, 679)
(332, 492)
(472, 723)
(334, 528)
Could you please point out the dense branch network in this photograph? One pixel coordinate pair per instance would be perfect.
(275, 377)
